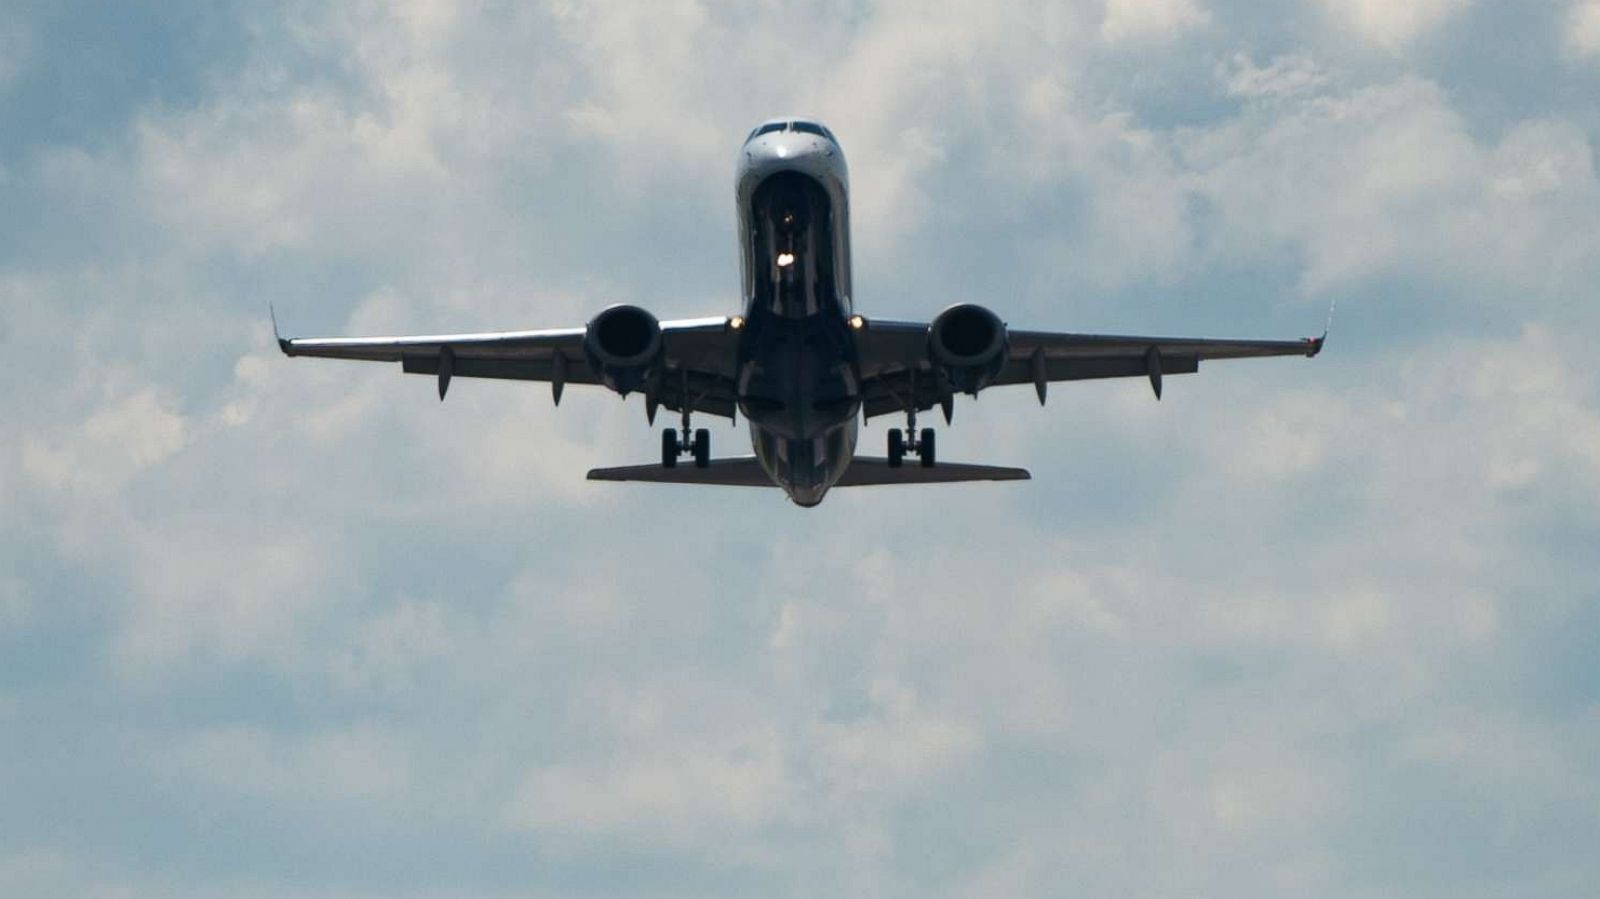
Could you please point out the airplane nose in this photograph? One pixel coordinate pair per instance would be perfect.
(779, 147)
(772, 152)
(806, 497)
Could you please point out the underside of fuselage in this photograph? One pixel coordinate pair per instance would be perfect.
(797, 376)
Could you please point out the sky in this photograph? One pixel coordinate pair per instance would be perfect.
(294, 628)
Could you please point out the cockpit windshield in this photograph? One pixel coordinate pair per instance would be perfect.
(798, 126)
(813, 128)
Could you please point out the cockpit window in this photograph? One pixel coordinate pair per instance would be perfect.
(803, 127)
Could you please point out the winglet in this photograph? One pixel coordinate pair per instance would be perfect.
(283, 344)
(1314, 344)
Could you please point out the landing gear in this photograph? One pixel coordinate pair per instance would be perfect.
(910, 441)
(702, 448)
(684, 441)
(670, 450)
(696, 444)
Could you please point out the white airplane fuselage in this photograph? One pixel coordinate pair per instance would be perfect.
(797, 383)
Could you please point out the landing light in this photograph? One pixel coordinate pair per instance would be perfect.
(785, 260)
(736, 322)
(857, 322)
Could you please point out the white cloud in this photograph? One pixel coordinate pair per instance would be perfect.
(680, 796)
(1150, 19)
(360, 764)
(1583, 29)
(1393, 23)
(203, 591)
(390, 649)
(1389, 178)
(1283, 76)
(116, 442)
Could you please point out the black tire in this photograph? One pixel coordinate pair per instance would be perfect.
(897, 447)
(702, 448)
(669, 448)
(926, 451)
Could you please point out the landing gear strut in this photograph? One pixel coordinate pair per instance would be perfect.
(686, 442)
(921, 445)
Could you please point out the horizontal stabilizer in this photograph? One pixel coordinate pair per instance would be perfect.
(740, 472)
(863, 471)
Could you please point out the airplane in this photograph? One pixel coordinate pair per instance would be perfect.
(798, 362)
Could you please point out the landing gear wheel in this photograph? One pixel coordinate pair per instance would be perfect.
(702, 448)
(897, 447)
(669, 448)
(925, 448)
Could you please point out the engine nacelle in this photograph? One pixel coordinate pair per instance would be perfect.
(623, 344)
(968, 343)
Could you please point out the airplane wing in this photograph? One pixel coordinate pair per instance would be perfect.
(698, 357)
(896, 366)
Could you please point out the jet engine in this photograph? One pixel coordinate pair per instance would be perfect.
(968, 343)
(623, 344)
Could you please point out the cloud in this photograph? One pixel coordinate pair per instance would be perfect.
(1150, 19)
(113, 444)
(1393, 25)
(15, 47)
(1285, 76)
(1301, 626)
(359, 764)
(1583, 29)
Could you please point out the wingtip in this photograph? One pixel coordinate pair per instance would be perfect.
(1327, 326)
(285, 345)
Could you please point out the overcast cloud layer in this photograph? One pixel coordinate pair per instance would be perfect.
(275, 628)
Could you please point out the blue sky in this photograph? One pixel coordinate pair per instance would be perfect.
(274, 628)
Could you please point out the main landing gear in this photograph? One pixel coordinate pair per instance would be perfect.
(695, 443)
(909, 441)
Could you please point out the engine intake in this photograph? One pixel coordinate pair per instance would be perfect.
(968, 343)
(623, 344)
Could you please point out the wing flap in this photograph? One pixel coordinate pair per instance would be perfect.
(530, 369)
